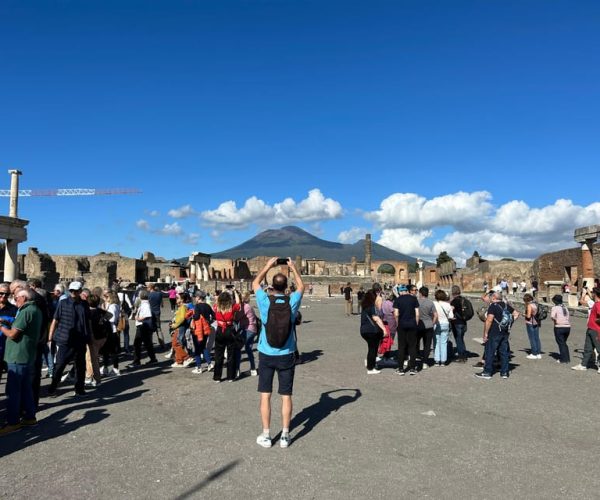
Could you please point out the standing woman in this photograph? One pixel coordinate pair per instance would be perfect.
(372, 330)
(226, 312)
(562, 328)
(111, 347)
(248, 330)
(533, 329)
(442, 327)
(173, 298)
(179, 325)
(99, 334)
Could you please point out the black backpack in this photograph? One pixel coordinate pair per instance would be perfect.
(467, 309)
(541, 314)
(125, 309)
(279, 321)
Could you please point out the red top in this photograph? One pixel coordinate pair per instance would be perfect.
(225, 319)
(594, 313)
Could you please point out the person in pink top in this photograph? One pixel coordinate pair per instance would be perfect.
(248, 325)
(593, 332)
(562, 328)
(173, 298)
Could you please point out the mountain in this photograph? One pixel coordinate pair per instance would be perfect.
(291, 241)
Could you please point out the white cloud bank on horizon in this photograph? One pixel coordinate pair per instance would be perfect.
(514, 229)
(315, 207)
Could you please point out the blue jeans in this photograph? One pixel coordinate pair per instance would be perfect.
(459, 336)
(19, 393)
(248, 343)
(561, 334)
(533, 332)
(440, 353)
(210, 340)
(496, 342)
(199, 350)
(48, 357)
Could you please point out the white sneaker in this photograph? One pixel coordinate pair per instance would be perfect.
(197, 370)
(374, 371)
(284, 441)
(177, 365)
(254, 373)
(103, 371)
(169, 354)
(116, 372)
(91, 382)
(579, 368)
(264, 441)
(211, 367)
(539, 356)
(188, 361)
(531, 356)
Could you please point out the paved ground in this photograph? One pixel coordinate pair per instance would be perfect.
(162, 433)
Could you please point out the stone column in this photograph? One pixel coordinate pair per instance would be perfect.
(420, 271)
(299, 263)
(205, 276)
(14, 192)
(354, 266)
(587, 263)
(368, 255)
(11, 264)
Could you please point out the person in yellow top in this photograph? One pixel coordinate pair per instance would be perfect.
(179, 325)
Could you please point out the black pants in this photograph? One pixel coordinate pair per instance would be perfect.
(425, 335)
(64, 355)
(223, 340)
(373, 340)
(407, 345)
(143, 335)
(37, 373)
(110, 350)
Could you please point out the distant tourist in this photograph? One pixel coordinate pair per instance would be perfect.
(533, 327)
(445, 314)
(360, 295)
(348, 299)
(562, 328)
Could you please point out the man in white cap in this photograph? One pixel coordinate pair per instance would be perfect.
(71, 331)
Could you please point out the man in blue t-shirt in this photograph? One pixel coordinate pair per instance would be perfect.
(278, 360)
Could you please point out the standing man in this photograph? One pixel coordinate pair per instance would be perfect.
(71, 330)
(406, 312)
(21, 347)
(496, 330)
(155, 298)
(360, 295)
(427, 318)
(592, 334)
(459, 323)
(348, 299)
(278, 313)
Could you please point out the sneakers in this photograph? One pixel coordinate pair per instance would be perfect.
(177, 365)
(579, 368)
(211, 367)
(284, 441)
(504, 375)
(374, 371)
(188, 361)
(425, 366)
(90, 382)
(412, 372)
(103, 371)
(169, 354)
(265, 441)
(67, 377)
(538, 356)
(253, 373)
(116, 372)
(197, 370)
(483, 375)
(399, 371)
(531, 356)
(9, 429)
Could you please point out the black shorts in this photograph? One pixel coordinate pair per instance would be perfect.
(285, 367)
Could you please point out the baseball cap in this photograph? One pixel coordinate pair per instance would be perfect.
(497, 288)
(402, 288)
(74, 285)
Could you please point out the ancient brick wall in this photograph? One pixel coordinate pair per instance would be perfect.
(556, 266)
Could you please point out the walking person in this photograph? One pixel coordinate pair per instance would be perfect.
(20, 355)
(348, 299)
(562, 328)
(533, 327)
(372, 330)
(442, 327)
(71, 331)
(276, 347)
(592, 334)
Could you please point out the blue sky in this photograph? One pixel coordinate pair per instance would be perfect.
(435, 125)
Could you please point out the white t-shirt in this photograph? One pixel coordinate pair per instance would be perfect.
(444, 312)
(143, 312)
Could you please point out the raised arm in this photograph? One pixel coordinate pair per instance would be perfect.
(261, 275)
(297, 277)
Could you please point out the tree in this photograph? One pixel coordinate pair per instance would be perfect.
(442, 257)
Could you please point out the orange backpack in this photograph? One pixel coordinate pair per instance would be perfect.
(201, 328)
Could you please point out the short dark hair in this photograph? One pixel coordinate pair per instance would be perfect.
(280, 282)
(424, 291)
(93, 300)
(441, 295)
(369, 299)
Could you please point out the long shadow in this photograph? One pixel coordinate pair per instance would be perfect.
(319, 411)
(111, 391)
(307, 357)
(205, 482)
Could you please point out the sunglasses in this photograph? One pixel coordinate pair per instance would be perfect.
(5, 294)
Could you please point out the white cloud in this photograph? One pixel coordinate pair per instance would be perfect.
(462, 210)
(170, 230)
(143, 224)
(191, 239)
(181, 212)
(352, 235)
(410, 223)
(152, 213)
(315, 207)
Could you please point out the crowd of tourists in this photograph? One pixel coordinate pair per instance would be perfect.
(420, 325)
(77, 335)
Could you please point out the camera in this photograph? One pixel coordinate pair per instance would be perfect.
(282, 261)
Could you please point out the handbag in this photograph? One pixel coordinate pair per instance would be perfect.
(121, 325)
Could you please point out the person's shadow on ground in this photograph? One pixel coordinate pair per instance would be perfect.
(307, 357)
(315, 413)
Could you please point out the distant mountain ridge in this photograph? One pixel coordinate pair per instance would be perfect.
(290, 241)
